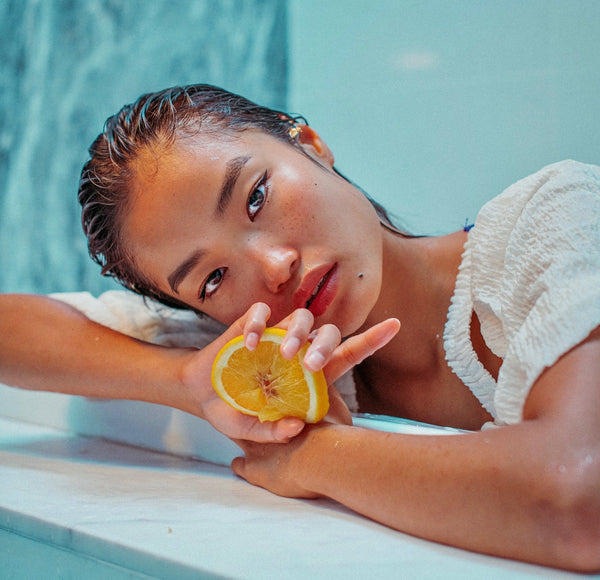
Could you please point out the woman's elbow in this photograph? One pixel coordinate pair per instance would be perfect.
(571, 516)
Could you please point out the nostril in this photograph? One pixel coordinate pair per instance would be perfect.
(280, 265)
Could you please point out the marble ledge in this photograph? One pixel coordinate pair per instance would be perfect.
(76, 506)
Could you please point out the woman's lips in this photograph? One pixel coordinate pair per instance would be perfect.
(318, 290)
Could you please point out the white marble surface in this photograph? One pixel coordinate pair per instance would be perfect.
(135, 423)
(150, 426)
(73, 506)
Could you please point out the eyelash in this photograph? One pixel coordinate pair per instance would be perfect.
(220, 272)
(262, 182)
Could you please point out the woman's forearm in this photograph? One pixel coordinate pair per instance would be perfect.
(47, 345)
(490, 492)
(528, 491)
(50, 346)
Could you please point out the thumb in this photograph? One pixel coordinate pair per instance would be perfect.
(280, 431)
(238, 466)
(251, 429)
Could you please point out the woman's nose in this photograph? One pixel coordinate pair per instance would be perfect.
(277, 265)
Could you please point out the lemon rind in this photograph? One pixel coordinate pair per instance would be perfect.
(272, 335)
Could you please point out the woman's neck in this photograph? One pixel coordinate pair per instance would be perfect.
(419, 275)
(410, 377)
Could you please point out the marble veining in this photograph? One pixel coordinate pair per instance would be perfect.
(66, 66)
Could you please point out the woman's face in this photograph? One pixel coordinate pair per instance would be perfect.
(223, 222)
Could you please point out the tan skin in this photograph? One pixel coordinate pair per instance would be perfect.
(47, 345)
(527, 491)
(410, 377)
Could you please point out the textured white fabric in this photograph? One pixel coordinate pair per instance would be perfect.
(531, 273)
(153, 322)
(144, 319)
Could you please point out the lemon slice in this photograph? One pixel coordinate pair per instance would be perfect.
(264, 384)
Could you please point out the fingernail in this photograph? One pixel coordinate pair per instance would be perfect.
(252, 340)
(290, 427)
(290, 347)
(314, 360)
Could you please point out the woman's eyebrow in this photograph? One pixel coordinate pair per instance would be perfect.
(178, 275)
(233, 169)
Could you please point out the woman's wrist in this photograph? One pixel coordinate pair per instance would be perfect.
(194, 387)
(319, 455)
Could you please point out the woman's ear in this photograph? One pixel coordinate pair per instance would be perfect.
(315, 146)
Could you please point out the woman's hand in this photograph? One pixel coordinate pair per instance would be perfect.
(527, 491)
(325, 352)
(278, 468)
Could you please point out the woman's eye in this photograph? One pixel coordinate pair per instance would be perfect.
(257, 198)
(212, 283)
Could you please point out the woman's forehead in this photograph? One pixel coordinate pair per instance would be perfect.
(209, 143)
(187, 178)
(203, 151)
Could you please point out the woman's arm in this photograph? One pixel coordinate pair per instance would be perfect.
(529, 492)
(49, 346)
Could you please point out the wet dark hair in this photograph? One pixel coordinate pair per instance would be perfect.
(153, 122)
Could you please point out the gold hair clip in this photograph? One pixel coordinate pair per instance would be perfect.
(294, 131)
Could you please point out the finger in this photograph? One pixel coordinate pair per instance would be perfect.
(323, 345)
(255, 324)
(252, 430)
(238, 466)
(357, 348)
(299, 312)
(298, 324)
(238, 426)
(287, 428)
(242, 467)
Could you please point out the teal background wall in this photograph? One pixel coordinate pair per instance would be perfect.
(65, 66)
(435, 106)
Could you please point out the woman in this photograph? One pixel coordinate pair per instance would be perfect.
(203, 200)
